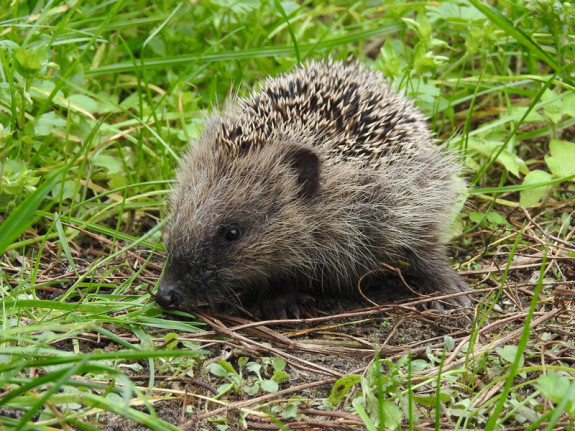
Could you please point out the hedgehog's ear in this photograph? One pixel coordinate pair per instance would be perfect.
(306, 164)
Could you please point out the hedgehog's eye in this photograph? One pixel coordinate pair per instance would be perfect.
(232, 234)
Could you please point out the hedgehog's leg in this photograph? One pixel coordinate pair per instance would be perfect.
(273, 305)
(436, 276)
(280, 301)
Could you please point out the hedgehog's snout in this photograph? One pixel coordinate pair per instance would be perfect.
(168, 295)
(185, 280)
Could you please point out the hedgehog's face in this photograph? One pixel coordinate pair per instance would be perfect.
(238, 227)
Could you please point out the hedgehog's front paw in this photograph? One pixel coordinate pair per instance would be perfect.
(280, 305)
(447, 283)
(437, 277)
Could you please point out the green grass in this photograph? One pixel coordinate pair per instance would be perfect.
(97, 101)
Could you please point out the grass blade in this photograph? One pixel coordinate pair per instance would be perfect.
(507, 26)
(25, 213)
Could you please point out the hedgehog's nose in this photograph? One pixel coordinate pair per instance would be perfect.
(167, 296)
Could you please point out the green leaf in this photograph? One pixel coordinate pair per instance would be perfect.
(449, 343)
(112, 164)
(531, 117)
(557, 389)
(46, 122)
(342, 386)
(453, 13)
(65, 190)
(426, 93)
(86, 103)
(562, 160)
(475, 217)
(530, 197)
(217, 370)
(492, 219)
(553, 110)
(512, 163)
(289, 411)
(390, 61)
(251, 389)
(497, 218)
(431, 400)
(391, 415)
(419, 365)
(280, 376)
(279, 363)
(118, 180)
(508, 353)
(242, 361)
(168, 339)
(569, 104)
(254, 367)
(269, 386)
(224, 388)
(227, 366)
(27, 61)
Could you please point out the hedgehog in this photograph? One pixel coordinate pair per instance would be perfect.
(304, 186)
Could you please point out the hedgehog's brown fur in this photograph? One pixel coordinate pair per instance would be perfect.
(307, 184)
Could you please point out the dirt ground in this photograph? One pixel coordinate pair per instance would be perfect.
(338, 337)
